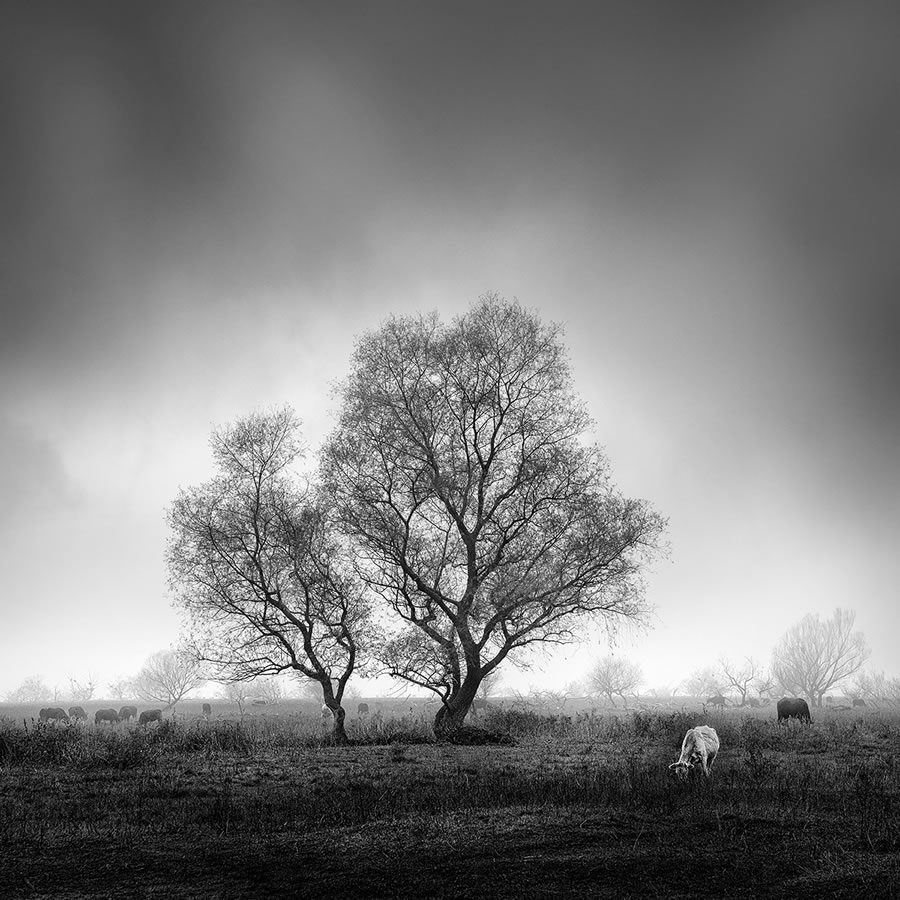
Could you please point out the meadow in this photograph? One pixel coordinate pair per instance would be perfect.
(584, 806)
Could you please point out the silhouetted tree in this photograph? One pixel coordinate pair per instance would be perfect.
(813, 656)
(484, 518)
(256, 563)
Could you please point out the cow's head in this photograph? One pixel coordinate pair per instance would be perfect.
(681, 769)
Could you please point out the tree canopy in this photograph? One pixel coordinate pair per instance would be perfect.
(485, 518)
(264, 576)
(813, 656)
(168, 675)
(613, 676)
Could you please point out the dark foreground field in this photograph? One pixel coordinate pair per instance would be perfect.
(572, 809)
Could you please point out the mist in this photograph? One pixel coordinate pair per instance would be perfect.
(205, 206)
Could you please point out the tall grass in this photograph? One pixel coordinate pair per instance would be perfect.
(264, 775)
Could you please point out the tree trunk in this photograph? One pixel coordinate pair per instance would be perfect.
(452, 715)
(338, 732)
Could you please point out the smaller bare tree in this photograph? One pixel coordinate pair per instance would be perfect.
(31, 690)
(612, 676)
(237, 692)
(167, 676)
(765, 683)
(892, 691)
(705, 682)
(741, 676)
(268, 689)
(122, 688)
(872, 686)
(82, 691)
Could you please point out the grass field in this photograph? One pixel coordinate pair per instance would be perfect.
(264, 807)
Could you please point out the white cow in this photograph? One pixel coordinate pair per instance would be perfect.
(700, 742)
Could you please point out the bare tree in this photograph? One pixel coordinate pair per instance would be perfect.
(167, 676)
(612, 676)
(813, 656)
(704, 682)
(237, 692)
(268, 689)
(122, 688)
(547, 700)
(873, 686)
(31, 690)
(82, 691)
(765, 683)
(260, 570)
(892, 690)
(485, 519)
(741, 676)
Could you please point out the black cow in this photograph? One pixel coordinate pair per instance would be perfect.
(793, 708)
(718, 700)
(53, 713)
(106, 715)
(859, 702)
(150, 715)
(127, 712)
(362, 710)
(77, 712)
(207, 710)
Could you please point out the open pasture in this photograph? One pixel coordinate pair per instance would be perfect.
(571, 807)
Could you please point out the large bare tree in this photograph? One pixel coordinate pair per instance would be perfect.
(814, 655)
(263, 575)
(167, 676)
(484, 517)
(613, 676)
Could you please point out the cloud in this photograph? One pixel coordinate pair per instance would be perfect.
(33, 481)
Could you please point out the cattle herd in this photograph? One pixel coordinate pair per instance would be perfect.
(700, 744)
(110, 716)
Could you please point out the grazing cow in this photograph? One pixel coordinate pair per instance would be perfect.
(150, 715)
(859, 702)
(700, 743)
(718, 700)
(127, 712)
(362, 710)
(53, 714)
(207, 710)
(105, 715)
(259, 703)
(77, 712)
(793, 708)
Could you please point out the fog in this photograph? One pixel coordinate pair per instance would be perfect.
(205, 204)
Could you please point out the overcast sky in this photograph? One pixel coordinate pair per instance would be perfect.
(203, 205)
